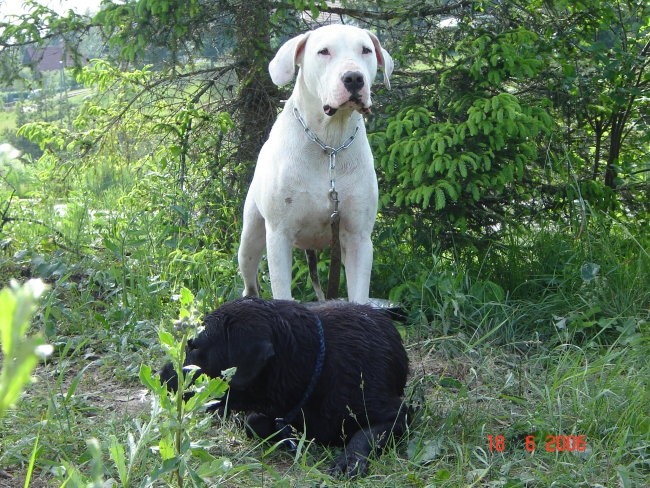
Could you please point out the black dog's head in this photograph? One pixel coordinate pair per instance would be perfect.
(242, 341)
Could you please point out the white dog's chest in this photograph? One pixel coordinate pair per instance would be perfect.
(301, 208)
(312, 233)
(293, 180)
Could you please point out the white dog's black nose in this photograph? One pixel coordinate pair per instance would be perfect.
(353, 81)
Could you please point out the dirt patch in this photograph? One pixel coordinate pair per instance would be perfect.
(17, 480)
(96, 394)
(107, 394)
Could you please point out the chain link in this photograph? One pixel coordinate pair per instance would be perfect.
(331, 152)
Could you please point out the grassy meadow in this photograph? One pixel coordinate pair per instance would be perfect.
(529, 362)
(558, 359)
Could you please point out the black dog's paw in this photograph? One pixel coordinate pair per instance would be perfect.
(259, 425)
(216, 408)
(350, 465)
(264, 427)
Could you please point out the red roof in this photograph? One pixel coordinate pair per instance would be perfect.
(49, 58)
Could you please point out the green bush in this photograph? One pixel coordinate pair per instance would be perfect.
(20, 353)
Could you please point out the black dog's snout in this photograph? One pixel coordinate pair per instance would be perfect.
(168, 377)
(353, 81)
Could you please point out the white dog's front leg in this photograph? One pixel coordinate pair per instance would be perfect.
(357, 258)
(278, 250)
(251, 247)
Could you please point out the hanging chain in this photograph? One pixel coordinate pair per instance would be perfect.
(331, 152)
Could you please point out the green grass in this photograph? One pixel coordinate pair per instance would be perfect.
(529, 343)
(7, 120)
(461, 396)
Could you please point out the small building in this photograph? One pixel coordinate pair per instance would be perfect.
(49, 58)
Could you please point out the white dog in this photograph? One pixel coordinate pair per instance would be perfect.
(288, 203)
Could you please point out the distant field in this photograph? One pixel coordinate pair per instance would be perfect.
(8, 114)
(7, 120)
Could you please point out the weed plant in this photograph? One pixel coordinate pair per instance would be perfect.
(544, 334)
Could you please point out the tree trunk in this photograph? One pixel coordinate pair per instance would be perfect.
(598, 133)
(615, 144)
(257, 102)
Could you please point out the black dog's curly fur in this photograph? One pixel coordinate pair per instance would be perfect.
(274, 344)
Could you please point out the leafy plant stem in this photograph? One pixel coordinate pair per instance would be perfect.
(32, 459)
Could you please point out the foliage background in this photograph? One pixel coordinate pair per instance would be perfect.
(512, 155)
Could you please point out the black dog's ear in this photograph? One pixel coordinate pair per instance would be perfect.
(250, 358)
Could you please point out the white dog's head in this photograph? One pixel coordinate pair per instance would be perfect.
(337, 65)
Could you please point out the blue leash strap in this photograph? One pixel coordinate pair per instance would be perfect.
(283, 423)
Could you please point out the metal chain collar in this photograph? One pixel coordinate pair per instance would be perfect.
(331, 152)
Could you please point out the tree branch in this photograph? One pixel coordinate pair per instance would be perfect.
(415, 10)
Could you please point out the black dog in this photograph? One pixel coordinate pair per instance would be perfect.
(337, 369)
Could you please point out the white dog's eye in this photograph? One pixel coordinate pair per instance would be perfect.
(324, 52)
(366, 50)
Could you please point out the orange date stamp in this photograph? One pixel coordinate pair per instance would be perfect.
(552, 443)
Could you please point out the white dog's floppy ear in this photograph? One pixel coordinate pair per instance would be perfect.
(383, 59)
(283, 66)
(388, 66)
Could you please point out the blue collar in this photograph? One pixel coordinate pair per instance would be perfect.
(282, 423)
